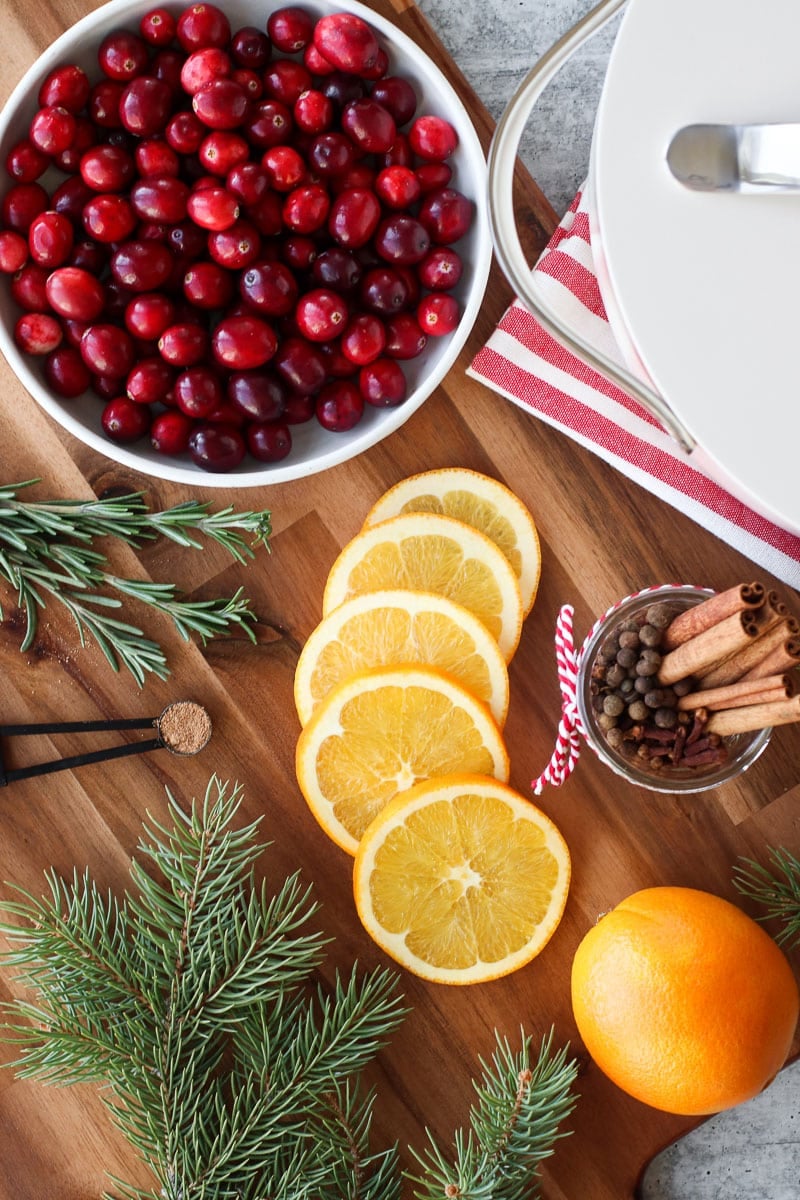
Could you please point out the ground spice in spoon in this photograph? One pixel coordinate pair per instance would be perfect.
(184, 727)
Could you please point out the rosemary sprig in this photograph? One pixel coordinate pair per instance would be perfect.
(777, 891)
(47, 550)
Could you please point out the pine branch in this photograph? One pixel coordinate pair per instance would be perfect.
(777, 891)
(47, 550)
(513, 1128)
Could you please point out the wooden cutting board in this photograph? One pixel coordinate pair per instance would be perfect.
(601, 537)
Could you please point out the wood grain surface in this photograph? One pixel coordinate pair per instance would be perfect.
(602, 537)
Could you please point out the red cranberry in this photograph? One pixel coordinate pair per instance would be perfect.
(347, 42)
(432, 138)
(124, 421)
(149, 381)
(107, 168)
(257, 395)
(220, 104)
(398, 187)
(300, 366)
(250, 81)
(37, 333)
(148, 316)
(269, 288)
(369, 125)
(65, 87)
(202, 66)
(269, 123)
(24, 163)
(313, 111)
(52, 129)
(382, 383)
(284, 168)
(248, 181)
(315, 63)
(198, 392)
(29, 289)
(354, 217)
(397, 96)
(158, 27)
(290, 29)
(285, 80)
(216, 447)
(235, 248)
(433, 176)
(71, 197)
(299, 252)
(399, 154)
(250, 48)
(440, 269)
(66, 372)
(221, 151)
(202, 25)
(299, 408)
(266, 215)
(340, 406)
(90, 256)
(269, 442)
(438, 314)
(404, 338)
(170, 432)
(141, 266)
(321, 314)
(331, 154)
(306, 208)
(108, 350)
(21, 204)
(402, 239)
(364, 339)
(122, 55)
(145, 106)
(213, 208)
(109, 218)
(75, 294)
(155, 156)
(160, 198)
(184, 344)
(242, 343)
(185, 133)
(447, 215)
(50, 239)
(206, 285)
(13, 252)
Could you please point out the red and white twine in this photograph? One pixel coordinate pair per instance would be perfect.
(567, 749)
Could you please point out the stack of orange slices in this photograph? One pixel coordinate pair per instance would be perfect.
(402, 691)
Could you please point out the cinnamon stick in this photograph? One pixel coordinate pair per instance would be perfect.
(739, 694)
(754, 716)
(711, 611)
(784, 657)
(718, 642)
(738, 664)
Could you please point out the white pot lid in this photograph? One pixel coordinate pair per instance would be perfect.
(706, 285)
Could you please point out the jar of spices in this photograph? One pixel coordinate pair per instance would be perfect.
(633, 723)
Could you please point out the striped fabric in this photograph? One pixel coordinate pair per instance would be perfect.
(525, 364)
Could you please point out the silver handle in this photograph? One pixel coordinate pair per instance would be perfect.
(502, 220)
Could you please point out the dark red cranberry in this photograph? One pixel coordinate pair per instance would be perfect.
(265, 216)
(66, 373)
(198, 392)
(207, 285)
(250, 48)
(187, 242)
(300, 366)
(382, 383)
(29, 289)
(216, 448)
(336, 268)
(290, 29)
(342, 88)
(170, 432)
(250, 81)
(433, 176)
(248, 181)
(90, 256)
(184, 344)
(124, 421)
(397, 96)
(75, 294)
(21, 204)
(220, 104)
(257, 395)
(369, 125)
(149, 381)
(166, 65)
(404, 338)
(299, 252)
(269, 288)
(141, 266)
(402, 239)
(24, 163)
(399, 154)
(269, 123)
(70, 197)
(269, 442)
(340, 406)
(447, 215)
(104, 103)
(145, 106)
(299, 408)
(285, 79)
(384, 291)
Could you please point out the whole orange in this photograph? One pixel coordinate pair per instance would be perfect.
(684, 1001)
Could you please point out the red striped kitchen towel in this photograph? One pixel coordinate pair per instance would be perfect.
(528, 366)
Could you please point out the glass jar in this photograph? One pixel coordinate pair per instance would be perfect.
(742, 749)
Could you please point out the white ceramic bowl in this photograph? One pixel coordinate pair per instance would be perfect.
(314, 448)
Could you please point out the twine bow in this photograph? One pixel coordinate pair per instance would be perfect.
(570, 729)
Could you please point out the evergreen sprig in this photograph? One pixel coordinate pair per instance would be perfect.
(47, 549)
(513, 1127)
(191, 998)
(776, 890)
(234, 1075)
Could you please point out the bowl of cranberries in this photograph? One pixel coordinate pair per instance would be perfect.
(237, 246)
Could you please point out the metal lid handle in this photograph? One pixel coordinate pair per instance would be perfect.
(502, 220)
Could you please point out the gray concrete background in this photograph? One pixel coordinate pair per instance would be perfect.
(752, 1152)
